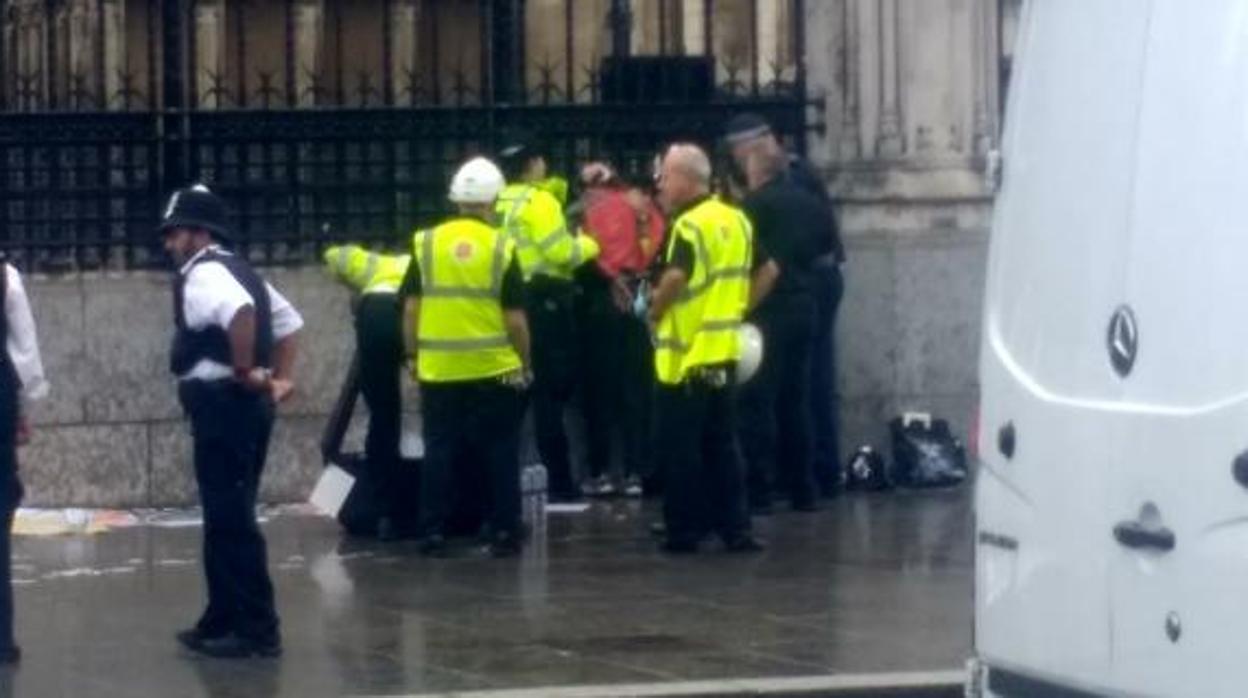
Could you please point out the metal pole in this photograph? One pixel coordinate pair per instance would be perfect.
(387, 53)
(240, 47)
(621, 19)
(491, 89)
(49, 48)
(292, 62)
(4, 68)
(798, 27)
(505, 35)
(173, 120)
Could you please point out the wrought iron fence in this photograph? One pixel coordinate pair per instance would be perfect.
(306, 161)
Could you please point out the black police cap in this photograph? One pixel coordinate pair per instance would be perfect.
(197, 207)
(745, 127)
(518, 146)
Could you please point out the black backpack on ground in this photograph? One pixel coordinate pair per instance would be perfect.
(866, 471)
(926, 454)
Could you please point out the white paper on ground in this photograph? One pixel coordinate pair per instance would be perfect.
(331, 490)
(412, 445)
(569, 508)
(924, 418)
(187, 521)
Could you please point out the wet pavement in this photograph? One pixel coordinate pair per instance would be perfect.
(871, 583)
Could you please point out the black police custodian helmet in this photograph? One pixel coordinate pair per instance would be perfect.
(516, 149)
(745, 127)
(197, 207)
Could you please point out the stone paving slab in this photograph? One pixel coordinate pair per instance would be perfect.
(878, 583)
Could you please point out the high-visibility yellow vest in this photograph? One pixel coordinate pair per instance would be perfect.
(557, 186)
(533, 219)
(701, 328)
(461, 335)
(365, 271)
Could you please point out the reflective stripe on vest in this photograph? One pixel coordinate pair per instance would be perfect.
(558, 252)
(367, 272)
(344, 259)
(463, 344)
(370, 269)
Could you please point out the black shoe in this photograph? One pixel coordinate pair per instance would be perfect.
(386, 530)
(433, 546)
(505, 546)
(10, 655)
(761, 509)
(235, 646)
(658, 529)
(679, 547)
(743, 544)
(192, 637)
(569, 497)
(805, 506)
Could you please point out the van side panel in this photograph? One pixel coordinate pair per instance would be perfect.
(1184, 410)
(1056, 273)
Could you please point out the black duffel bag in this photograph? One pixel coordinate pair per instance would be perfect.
(926, 454)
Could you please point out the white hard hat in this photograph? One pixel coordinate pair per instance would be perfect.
(478, 181)
(751, 352)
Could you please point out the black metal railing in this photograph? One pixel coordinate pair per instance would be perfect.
(306, 161)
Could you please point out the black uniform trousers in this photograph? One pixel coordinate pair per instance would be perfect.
(618, 384)
(476, 425)
(775, 425)
(379, 337)
(549, 304)
(696, 443)
(10, 496)
(825, 400)
(231, 426)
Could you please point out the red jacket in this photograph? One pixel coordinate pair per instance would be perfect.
(611, 220)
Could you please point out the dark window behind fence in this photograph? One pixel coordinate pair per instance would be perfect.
(343, 120)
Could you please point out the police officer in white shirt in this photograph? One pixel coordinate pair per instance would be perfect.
(232, 353)
(21, 381)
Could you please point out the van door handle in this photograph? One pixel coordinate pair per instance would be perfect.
(1134, 535)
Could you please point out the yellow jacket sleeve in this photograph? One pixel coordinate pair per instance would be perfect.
(549, 230)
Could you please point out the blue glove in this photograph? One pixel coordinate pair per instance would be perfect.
(641, 301)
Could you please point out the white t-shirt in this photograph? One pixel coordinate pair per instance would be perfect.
(212, 296)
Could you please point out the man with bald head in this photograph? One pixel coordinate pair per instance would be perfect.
(711, 275)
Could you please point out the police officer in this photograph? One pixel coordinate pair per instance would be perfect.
(379, 341)
(464, 309)
(775, 404)
(746, 134)
(711, 275)
(233, 351)
(549, 256)
(21, 381)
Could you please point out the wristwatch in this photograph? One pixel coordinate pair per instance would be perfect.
(253, 376)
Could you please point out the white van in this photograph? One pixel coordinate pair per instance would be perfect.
(1112, 505)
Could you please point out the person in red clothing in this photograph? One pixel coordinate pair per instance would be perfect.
(619, 378)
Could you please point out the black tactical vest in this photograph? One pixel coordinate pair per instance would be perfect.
(213, 343)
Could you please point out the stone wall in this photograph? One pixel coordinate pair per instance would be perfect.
(910, 93)
(910, 96)
(111, 432)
